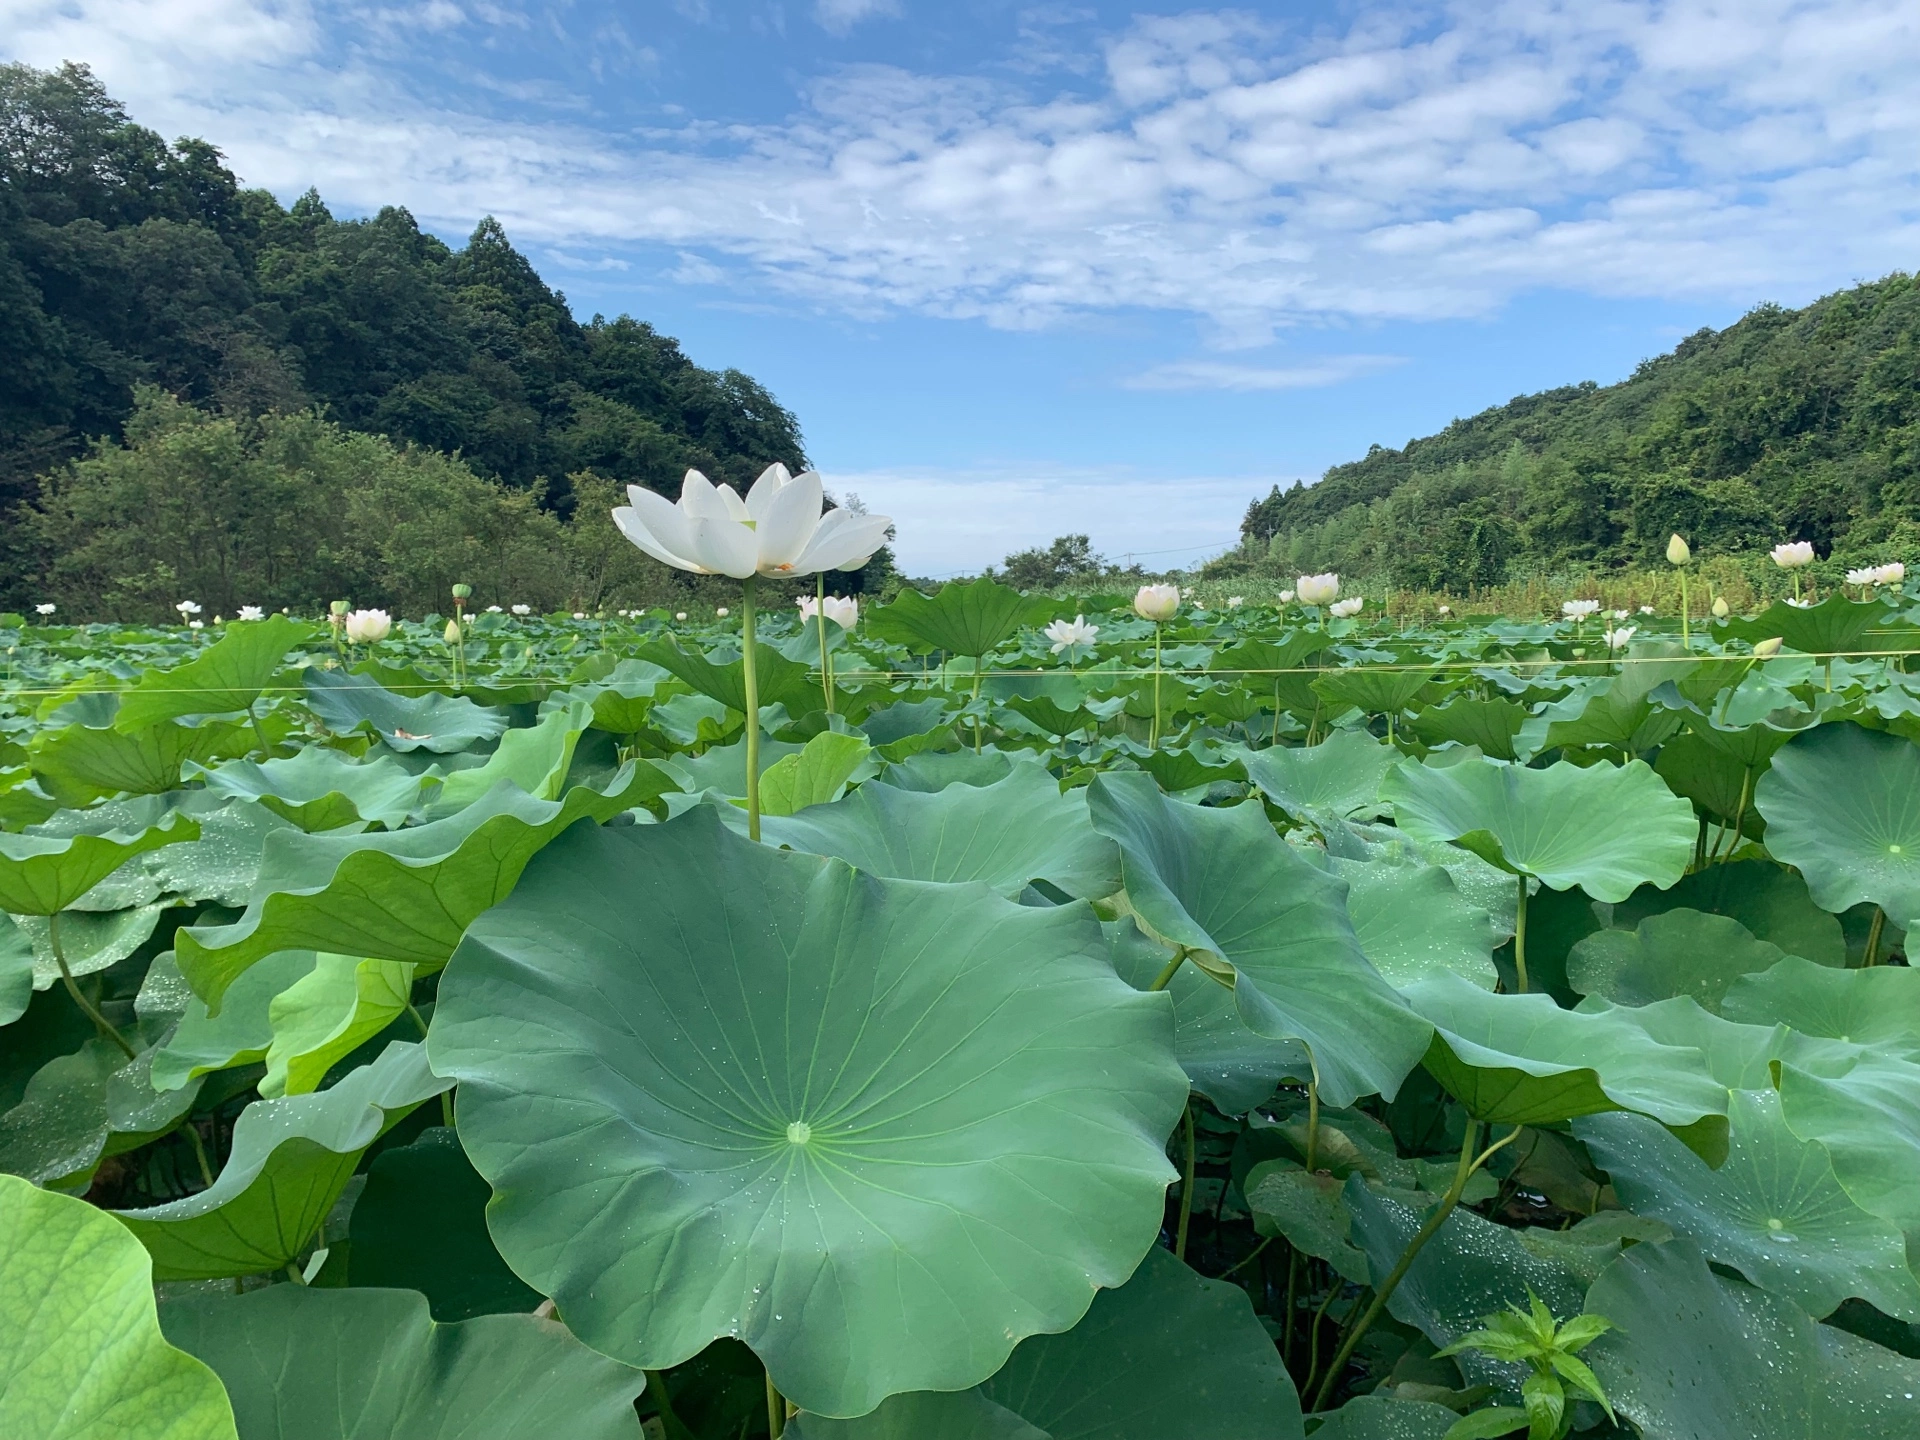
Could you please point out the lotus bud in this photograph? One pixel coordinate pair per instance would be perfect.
(452, 633)
(1720, 608)
(723, 612)
(1678, 552)
(1766, 649)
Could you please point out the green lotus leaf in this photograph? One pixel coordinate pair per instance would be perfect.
(1677, 952)
(1616, 714)
(421, 1224)
(922, 1415)
(321, 789)
(1369, 1417)
(936, 770)
(970, 619)
(1877, 1008)
(1774, 1211)
(1307, 1208)
(1522, 1060)
(1603, 828)
(44, 874)
(1771, 901)
(16, 970)
(535, 758)
(818, 775)
(907, 720)
(1868, 1118)
(317, 1364)
(327, 1014)
(723, 768)
(1718, 783)
(1188, 770)
(1843, 807)
(1693, 1355)
(1220, 882)
(1491, 726)
(1738, 1057)
(79, 763)
(1052, 719)
(399, 895)
(1339, 777)
(228, 675)
(1374, 689)
(91, 941)
(239, 1034)
(1412, 922)
(289, 1162)
(1005, 835)
(79, 1108)
(780, 681)
(703, 1078)
(1231, 1065)
(1836, 625)
(1472, 1268)
(430, 721)
(81, 1353)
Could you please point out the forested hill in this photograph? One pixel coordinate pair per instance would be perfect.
(125, 260)
(1790, 424)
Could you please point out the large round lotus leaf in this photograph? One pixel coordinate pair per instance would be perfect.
(44, 874)
(322, 789)
(1769, 899)
(321, 1364)
(1605, 828)
(1869, 1121)
(1877, 1008)
(1005, 835)
(1339, 777)
(1694, 1356)
(937, 769)
(1168, 1353)
(1234, 1067)
(1491, 725)
(1774, 1210)
(1369, 1417)
(16, 970)
(878, 1129)
(1679, 952)
(1522, 1060)
(1221, 883)
(421, 1224)
(81, 1354)
(228, 675)
(239, 1034)
(431, 721)
(1307, 1208)
(1843, 805)
(1412, 923)
(968, 619)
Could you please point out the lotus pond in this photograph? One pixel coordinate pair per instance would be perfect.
(1256, 1025)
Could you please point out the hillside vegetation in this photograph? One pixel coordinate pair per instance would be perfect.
(133, 269)
(1790, 424)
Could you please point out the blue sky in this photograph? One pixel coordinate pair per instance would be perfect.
(1030, 268)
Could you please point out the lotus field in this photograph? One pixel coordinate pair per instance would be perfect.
(1086, 1019)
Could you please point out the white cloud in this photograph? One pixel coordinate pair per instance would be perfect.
(838, 17)
(1221, 375)
(1428, 161)
(957, 522)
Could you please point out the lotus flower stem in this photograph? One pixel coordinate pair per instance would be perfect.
(671, 1423)
(1872, 957)
(1463, 1172)
(1165, 977)
(192, 1133)
(976, 698)
(1739, 815)
(1153, 739)
(820, 620)
(1686, 615)
(253, 718)
(87, 1007)
(1313, 1328)
(1186, 1185)
(1313, 1125)
(752, 684)
(776, 1410)
(1520, 937)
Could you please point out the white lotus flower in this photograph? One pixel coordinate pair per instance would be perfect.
(1678, 551)
(1346, 609)
(1894, 574)
(777, 530)
(1646, 609)
(723, 612)
(1792, 554)
(1579, 609)
(843, 610)
(187, 607)
(367, 627)
(1076, 631)
(44, 608)
(252, 612)
(579, 614)
(1318, 589)
(493, 609)
(1801, 604)
(809, 606)
(679, 614)
(1285, 597)
(1869, 576)
(1619, 614)
(1234, 602)
(1617, 639)
(1157, 603)
(1766, 649)
(523, 609)
(452, 633)
(1446, 609)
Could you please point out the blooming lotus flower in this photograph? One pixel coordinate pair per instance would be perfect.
(722, 612)
(1617, 639)
(187, 607)
(1285, 597)
(1678, 551)
(581, 614)
(44, 608)
(368, 627)
(493, 609)
(1157, 603)
(809, 606)
(1579, 609)
(842, 610)
(1869, 576)
(1065, 633)
(1894, 574)
(252, 612)
(1792, 554)
(523, 609)
(1619, 614)
(196, 624)
(1346, 609)
(1646, 609)
(1234, 602)
(1446, 609)
(1318, 589)
(1801, 604)
(1766, 649)
(679, 614)
(777, 530)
